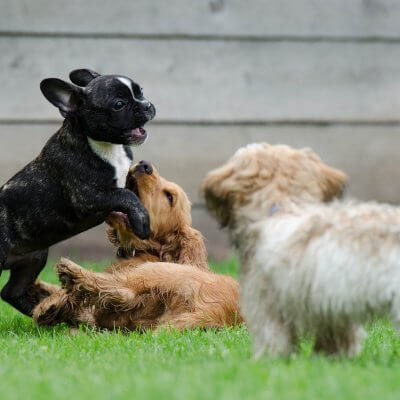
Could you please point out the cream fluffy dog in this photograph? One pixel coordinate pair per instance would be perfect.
(309, 265)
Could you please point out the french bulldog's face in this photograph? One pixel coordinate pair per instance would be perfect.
(111, 107)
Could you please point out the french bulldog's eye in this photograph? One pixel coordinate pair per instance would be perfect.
(169, 197)
(119, 105)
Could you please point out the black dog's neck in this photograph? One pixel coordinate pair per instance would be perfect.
(74, 128)
(74, 134)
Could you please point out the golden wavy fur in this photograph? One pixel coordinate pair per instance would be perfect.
(310, 264)
(166, 282)
(172, 237)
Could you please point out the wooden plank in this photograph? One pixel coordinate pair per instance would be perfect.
(259, 18)
(215, 81)
(89, 245)
(184, 154)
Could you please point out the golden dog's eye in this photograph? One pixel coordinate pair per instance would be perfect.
(169, 197)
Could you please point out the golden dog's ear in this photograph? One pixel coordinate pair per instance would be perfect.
(185, 247)
(333, 183)
(193, 250)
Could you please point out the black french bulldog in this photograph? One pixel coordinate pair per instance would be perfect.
(77, 180)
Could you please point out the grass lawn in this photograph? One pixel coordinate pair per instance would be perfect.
(37, 363)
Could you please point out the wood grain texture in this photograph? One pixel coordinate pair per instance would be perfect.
(255, 18)
(184, 154)
(222, 73)
(215, 81)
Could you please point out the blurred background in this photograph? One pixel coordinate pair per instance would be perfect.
(222, 73)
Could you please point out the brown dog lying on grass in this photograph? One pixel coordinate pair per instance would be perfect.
(165, 282)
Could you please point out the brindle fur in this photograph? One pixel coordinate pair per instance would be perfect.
(68, 188)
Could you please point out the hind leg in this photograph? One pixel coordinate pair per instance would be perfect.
(273, 337)
(394, 315)
(345, 341)
(104, 290)
(21, 291)
(187, 320)
(46, 289)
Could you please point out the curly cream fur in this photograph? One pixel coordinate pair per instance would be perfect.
(310, 264)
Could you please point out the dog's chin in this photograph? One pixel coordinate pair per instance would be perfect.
(135, 137)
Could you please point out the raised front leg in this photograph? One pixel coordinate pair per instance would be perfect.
(125, 201)
(21, 291)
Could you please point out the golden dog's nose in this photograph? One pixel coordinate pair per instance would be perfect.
(145, 167)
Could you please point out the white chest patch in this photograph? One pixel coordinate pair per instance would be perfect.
(116, 156)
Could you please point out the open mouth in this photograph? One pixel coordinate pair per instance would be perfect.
(137, 135)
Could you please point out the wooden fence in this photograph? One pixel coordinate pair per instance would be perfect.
(222, 73)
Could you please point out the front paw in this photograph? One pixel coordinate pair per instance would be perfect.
(140, 224)
(53, 310)
(46, 315)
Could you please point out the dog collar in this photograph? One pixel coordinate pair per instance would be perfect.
(274, 209)
(124, 253)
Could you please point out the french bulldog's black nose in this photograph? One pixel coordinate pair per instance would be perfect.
(145, 167)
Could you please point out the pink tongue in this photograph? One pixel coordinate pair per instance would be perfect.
(139, 132)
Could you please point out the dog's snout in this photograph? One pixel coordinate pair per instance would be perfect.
(145, 167)
(149, 110)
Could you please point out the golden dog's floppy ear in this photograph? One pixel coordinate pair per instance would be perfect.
(333, 183)
(185, 247)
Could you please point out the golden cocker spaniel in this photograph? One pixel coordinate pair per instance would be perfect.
(164, 281)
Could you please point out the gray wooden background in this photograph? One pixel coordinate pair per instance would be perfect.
(222, 73)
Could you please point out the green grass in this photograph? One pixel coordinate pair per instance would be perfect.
(37, 363)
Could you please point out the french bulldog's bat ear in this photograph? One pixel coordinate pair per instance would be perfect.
(63, 95)
(82, 77)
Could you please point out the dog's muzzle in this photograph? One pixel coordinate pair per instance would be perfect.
(144, 167)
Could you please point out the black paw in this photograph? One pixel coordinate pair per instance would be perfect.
(140, 225)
